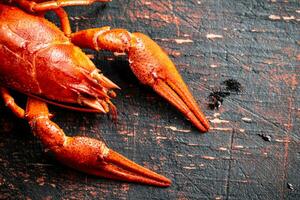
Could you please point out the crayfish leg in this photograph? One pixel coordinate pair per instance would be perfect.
(64, 21)
(57, 7)
(11, 104)
(47, 5)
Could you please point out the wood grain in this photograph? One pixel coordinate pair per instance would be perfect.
(253, 42)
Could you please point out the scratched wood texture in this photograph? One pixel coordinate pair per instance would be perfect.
(253, 148)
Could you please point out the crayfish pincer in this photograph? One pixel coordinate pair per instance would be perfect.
(46, 63)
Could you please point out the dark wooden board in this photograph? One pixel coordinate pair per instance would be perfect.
(253, 42)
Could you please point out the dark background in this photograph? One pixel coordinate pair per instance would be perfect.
(252, 150)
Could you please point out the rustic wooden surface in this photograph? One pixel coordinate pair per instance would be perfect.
(253, 148)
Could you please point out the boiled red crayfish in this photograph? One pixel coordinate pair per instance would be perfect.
(42, 62)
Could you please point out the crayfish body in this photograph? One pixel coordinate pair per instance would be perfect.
(46, 64)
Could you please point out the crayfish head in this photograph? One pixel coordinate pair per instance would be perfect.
(67, 76)
(95, 91)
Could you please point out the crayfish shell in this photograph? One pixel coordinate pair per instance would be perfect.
(39, 60)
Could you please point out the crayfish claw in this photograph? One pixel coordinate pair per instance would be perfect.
(153, 67)
(150, 64)
(86, 154)
(119, 167)
(183, 102)
(94, 157)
